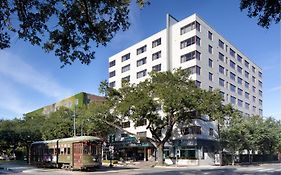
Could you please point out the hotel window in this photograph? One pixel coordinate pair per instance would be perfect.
(240, 91)
(239, 80)
(125, 68)
(221, 69)
(232, 100)
(247, 95)
(246, 63)
(221, 44)
(141, 73)
(210, 76)
(112, 63)
(210, 35)
(156, 68)
(246, 74)
(232, 52)
(125, 57)
(210, 49)
(156, 55)
(246, 84)
(156, 42)
(221, 56)
(239, 58)
(232, 76)
(190, 41)
(240, 103)
(141, 49)
(260, 92)
(260, 83)
(232, 88)
(221, 82)
(260, 74)
(141, 62)
(210, 62)
(254, 88)
(253, 79)
(194, 69)
(126, 79)
(112, 84)
(197, 83)
(247, 105)
(190, 27)
(190, 56)
(232, 64)
(112, 74)
(253, 69)
(254, 99)
(260, 102)
(239, 69)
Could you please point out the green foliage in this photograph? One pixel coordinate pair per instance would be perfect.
(267, 11)
(69, 28)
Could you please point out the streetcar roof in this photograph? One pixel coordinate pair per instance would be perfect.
(70, 139)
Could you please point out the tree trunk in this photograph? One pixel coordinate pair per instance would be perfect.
(233, 158)
(160, 155)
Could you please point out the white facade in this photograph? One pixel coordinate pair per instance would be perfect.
(191, 43)
(249, 98)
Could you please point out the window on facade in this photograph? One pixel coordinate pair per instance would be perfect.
(211, 132)
(142, 134)
(221, 69)
(254, 109)
(156, 55)
(239, 69)
(260, 112)
(232, 100)
(240, 91)
(221, 82)
(141, 73)
(112, 74)
(254, 99)
(260, 83)
(141, 62)
(112, 63)
(246, 74)
(221, 56)
(198, 83)
(240, 103)
(210, 76)
(190, 41)
(246, 63)
(232, 52)
(210, 88)
(190, 27)
(232, 76)
(157, 68)
(260, 74)
(190, 56)
(239, 80)
(253, 69)
(156, 42)
(221, 44)
(194, 69)
(125, 57)
(112, 84)
(126, 79)
(222, 95)
(239, 58)
(125, 68)
(126, 124)
(191, 130)
(247, 105)
(232, 88)
(260, 102)
(232, 64)
(210, 62)
(253, 79)
(253, 88)
(210, 49)
(247, 95)
(210, 35)
(260, 92)
(246, 84)
(141, 49)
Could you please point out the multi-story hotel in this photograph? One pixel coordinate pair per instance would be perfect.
(213, 61)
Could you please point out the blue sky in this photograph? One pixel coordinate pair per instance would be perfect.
(30, 78)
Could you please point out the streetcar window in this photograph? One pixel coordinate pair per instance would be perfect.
(51, 151)
(68, 150)
(64, 150)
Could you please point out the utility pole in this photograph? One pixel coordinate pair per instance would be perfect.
(74, 122)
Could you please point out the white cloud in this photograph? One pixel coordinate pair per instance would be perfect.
(19, 71)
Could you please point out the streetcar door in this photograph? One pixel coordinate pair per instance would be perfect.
(77, 155)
